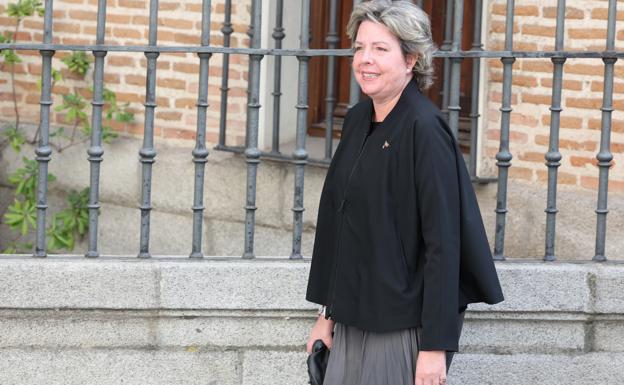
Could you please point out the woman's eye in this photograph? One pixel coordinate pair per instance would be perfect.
(357, 48)
(381, 49)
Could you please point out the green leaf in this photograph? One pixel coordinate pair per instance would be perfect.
(78, 62)
(24, 8)
(16, 138)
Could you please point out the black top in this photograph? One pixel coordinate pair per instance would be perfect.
(399, 240)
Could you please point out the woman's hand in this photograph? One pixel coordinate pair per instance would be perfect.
(322, 330)
(431, 368)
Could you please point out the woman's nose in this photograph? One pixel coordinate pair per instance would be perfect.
(366, 56)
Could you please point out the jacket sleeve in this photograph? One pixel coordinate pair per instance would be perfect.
(437, 191)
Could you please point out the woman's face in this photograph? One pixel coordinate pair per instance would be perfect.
(379, 65)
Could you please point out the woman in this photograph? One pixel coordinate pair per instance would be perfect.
(400, 249)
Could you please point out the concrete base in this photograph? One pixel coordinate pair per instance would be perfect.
(171, 320)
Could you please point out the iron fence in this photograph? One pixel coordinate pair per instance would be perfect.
(450, 51)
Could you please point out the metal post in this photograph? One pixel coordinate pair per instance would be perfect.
(44, 151)
(477, 46)
(454, 106)
(553, 156)
(446, 46)
(252, 154)
(227, 30)
(332, 41)
(278, 35)
(354, 87)
(95, 151)
(200, 152)
(604, 155)
(300, 155)
(503, 156)
(147, 152)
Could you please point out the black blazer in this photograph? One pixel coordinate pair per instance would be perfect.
(400, 241)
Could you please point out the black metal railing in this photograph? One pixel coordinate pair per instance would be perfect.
(450, 51)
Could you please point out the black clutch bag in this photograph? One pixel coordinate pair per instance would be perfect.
(317, 362)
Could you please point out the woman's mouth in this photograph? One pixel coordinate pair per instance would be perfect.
(369, 75)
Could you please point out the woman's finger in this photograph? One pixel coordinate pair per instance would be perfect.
(419, 381)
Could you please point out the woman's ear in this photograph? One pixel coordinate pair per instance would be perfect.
(410, 60)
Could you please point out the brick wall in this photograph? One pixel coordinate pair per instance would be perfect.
(127, 24)
(177, 74)
(534, 29)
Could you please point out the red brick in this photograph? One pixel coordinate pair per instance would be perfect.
(127, 33)
(179, 134)
(33, 24)
(59, 26)
(536, 99)
(497, 26)
(587, 33)
(190, 68)
(616, 125)
(573, 85)
(536, 65)
(531, 156)
(519, 10)
(79, 14)
(136, 80)
(187, 103)
(175, 23)
(120, 61)
(118, 19)
(585, 69)
(562, 177)
(587, 103)
(570, 13)
(603, 14)
(514, 136)
(582, 161)
(565, 121)
(168, 6)
(538, 30)
(521, 173)
(132, 4)
(523, 120)
(168, 115)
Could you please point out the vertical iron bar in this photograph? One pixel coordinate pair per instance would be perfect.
(227, 30)
(604, 155)
(44, 151)
(553, 156)
(200, 152)
(503, 156)
(446, 46)
(332, 41)
(147, 152)
(354, 87)
(252, 154)
(300, 155)
(454, 105)
(477, 46)
(95, 152)
(278, 35)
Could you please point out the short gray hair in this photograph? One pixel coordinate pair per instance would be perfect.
(409, 24)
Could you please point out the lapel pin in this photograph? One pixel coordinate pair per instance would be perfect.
(385, 145)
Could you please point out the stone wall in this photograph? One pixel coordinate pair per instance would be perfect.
(227, 321)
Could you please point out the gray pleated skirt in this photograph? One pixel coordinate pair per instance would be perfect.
(366, 358)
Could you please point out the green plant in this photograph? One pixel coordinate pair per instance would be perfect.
(78, 62)
(70, 224)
